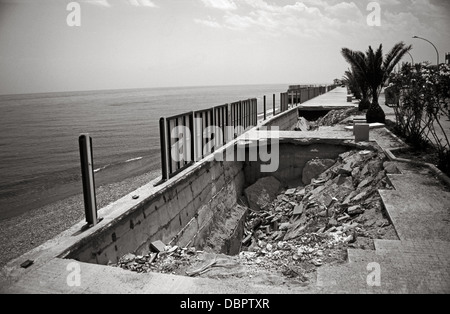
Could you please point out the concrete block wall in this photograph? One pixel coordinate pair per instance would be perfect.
(286, 121)
(179, 213)
(293, 157)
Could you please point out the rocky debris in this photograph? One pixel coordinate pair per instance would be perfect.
(299, 230)
(302, 125)
(333, 117)
(157, 246)
(315, 167)
(390, 167)
(170, 260)
(338, 209)
(262, 192)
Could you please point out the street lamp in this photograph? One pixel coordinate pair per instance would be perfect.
(437, 52)
(412, 60)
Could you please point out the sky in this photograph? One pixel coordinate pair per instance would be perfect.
(122, 44)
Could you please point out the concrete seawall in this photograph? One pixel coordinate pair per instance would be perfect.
(184, 210)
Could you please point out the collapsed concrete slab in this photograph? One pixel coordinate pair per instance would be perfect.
(262, 192)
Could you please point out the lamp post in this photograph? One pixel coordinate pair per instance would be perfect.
(437, 52)
(412, 60)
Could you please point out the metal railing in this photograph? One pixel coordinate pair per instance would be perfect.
(201, 132)
(191, 136)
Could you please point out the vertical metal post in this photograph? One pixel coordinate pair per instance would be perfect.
(264, 107)
(274, 105)
(281, 102)
(87, 172)
(163, 145)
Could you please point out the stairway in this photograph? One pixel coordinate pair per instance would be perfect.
(419, 262)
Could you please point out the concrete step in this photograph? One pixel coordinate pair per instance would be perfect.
(419, 266)
(417, 218)
(392, 275)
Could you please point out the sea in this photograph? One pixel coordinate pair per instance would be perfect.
(39, 151)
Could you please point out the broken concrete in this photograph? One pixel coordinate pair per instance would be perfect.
(315, 167)
(262, 193)
(302, 125)
(390, 167)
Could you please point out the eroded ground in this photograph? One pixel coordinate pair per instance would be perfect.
(303, 228)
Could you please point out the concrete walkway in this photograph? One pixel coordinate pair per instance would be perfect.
(419, 209)
(419, 262)
(334, 99)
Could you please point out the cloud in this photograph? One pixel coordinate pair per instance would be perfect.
(297, 19)
(142, 3)
(220, 4)
(103, 3)
(209, 22)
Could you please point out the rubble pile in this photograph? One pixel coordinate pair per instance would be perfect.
(316, 223)
(294, 232)
(333, 117)
(166, 261)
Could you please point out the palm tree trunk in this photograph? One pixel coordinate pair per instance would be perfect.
(375, 112)
(374, 95)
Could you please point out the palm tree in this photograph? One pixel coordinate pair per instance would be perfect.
(374, 70)
(358, 57)
(352, 82)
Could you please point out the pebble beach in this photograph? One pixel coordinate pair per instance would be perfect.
(27, 231)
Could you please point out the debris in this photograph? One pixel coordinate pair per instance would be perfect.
(27, 263)
(284, 226)
(354, 210)
(302, 125)
(172, 249)
(390, 167)
(262, 193)
(317, 262)
(315, 167)
(298, 210)
(152, 257)
(345, 217)
(255, 223)
(290, 192)
(157, 246)
(295, 229)
(202, 269)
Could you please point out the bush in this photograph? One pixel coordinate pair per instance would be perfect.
(424, 97)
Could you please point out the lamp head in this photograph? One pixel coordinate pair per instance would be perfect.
(415, 37)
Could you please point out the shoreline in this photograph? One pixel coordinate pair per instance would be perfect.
(29, 201)
(24, 232)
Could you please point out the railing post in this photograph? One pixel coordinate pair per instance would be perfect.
(274, 109)
(264, 107)
(281, 102)
(87, 172)
(163, 145)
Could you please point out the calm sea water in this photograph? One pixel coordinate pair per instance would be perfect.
(39, 154)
